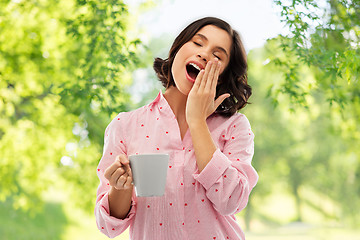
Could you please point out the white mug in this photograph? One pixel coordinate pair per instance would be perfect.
(149, 173)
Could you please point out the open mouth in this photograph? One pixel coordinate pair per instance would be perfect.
(192, 70)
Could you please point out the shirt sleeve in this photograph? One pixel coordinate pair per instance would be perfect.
(114, 145)
(229, 176)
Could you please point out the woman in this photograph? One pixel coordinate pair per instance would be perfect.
(196, 122)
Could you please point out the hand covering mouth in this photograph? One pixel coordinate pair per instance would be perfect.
(192, 70)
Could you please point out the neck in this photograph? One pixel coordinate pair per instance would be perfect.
(177, 101)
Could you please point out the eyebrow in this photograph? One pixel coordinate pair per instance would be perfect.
(218, 47)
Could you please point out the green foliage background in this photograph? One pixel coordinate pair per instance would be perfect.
(65, 71)
(62, 65)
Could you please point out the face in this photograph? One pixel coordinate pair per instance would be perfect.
(208, 43)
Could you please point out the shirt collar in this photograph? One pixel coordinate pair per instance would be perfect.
(160, 104)
(159, 98)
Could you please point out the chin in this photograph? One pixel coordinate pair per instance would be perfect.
(184, 91)
(183, 88)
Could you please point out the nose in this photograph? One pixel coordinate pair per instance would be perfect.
(203, 57)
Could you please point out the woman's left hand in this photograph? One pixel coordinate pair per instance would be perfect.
(200, 102)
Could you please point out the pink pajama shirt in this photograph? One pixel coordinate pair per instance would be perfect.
(195, 205)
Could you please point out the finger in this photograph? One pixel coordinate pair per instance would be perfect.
(115, 176)
(129, 172)
(216, 76)
(212, 74)
(121, 181)
(128, 184)
(111, 169)
(124, 159)
(206, 75)
(198, 79)
(126, 164)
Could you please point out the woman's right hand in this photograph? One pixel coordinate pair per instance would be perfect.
(119, 173)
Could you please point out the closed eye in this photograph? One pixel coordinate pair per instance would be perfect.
(197, 44)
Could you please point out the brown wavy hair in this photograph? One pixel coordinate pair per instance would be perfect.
(233, 79)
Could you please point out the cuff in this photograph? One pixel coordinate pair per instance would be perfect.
(105, 212)
(213, 170)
